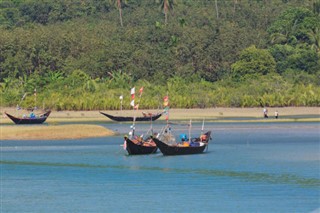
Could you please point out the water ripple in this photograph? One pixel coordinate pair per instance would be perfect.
(247, 176)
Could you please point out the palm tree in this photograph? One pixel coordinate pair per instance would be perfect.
(118, 4)
(314, 36)
(217, 11)
(166, 5)
(316, 7)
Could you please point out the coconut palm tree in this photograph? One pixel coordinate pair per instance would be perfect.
(118, 5)
(314, 36)
(217, 10)
(165, 5)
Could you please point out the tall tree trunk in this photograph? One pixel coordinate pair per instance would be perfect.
(217, 11)
(165, 9)
(120, 12)
(235, 2)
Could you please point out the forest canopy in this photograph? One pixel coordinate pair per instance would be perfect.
(84, 54)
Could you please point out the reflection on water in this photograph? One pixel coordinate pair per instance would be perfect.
(260, 167)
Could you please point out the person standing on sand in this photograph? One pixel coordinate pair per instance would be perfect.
(265, 112)
(276, 114)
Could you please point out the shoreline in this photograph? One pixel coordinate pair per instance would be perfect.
(73, 128)
(215, 114)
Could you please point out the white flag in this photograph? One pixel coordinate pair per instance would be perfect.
(133, 91)
(121, 97)
(132, 103)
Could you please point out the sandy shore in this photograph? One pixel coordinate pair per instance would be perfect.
(44, 132)
(73, 131)
(175, 114)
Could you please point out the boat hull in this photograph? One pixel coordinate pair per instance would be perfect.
(181, 150)
(38, 120)
(124, 119)
(136, 149)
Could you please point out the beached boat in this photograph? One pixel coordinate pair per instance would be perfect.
(140, 146)
(146, 117)
(194, 146)
(27, 120)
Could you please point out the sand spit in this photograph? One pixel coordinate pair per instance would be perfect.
(45, 132)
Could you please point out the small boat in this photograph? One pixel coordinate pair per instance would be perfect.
(140, 146)
(27, 120)
(195, 146)
(146, 117)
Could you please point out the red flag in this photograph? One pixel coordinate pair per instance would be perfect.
(132, 93)
(166, 101)
(167, 116)
(141, 90)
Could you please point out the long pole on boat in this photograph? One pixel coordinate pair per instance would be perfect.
(133, 108)
(140, 94)
(23, 97)
(35, 98)
(166, 107)
(190, 124)
(202, 127)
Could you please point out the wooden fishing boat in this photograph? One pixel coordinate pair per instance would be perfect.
(142, 147)
(196, 145)
(147, 117)
(27, 120)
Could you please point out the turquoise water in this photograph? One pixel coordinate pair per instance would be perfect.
(260, 167)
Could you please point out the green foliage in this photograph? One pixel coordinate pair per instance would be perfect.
(253, 61)
(78, 57)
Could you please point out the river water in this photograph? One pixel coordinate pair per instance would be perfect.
(249, 167)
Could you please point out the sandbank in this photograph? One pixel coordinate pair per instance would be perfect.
(72, 128)
(45, 132)
(218, 114)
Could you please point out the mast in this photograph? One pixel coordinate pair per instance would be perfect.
(35, 98)
(166, 107)
(133, 108)
(202, 127)
(190, 124)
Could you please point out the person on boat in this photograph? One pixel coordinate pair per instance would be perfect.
(203, 138)
(183, 137)
(32, 115)
(276, 114)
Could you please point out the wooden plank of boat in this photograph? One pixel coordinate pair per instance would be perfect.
(124, 118)
(37, 120)
(135, 148)
(167, 149)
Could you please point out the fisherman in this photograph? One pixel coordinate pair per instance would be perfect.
(32, 115)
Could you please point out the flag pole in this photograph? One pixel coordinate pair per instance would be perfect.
(140, 91)
(202, 127)
(121, 99)
(167, 109)
(133, 108)
(190, 131)
(35, 98)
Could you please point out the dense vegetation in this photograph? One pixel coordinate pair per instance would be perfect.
(83, 54)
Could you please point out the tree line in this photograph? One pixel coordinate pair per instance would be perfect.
(203, 53)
